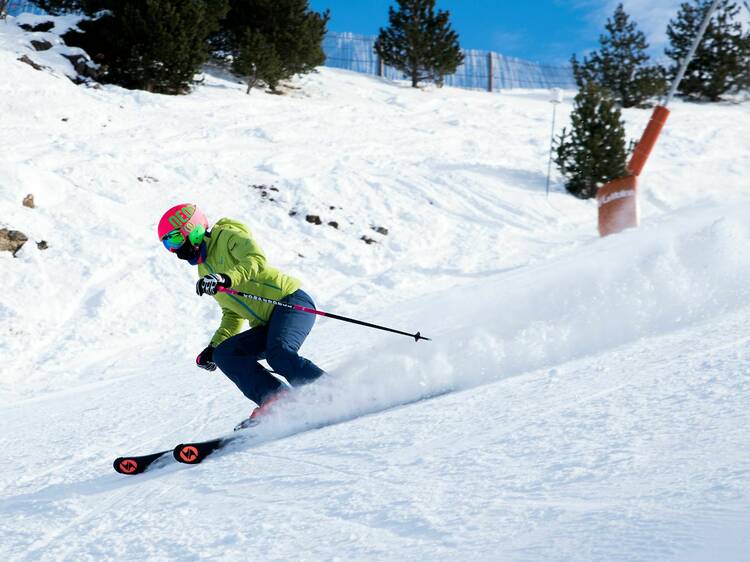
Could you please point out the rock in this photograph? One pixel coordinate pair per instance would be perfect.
(292, 213)
(41, 27)
(12, 240)
(313, 219)
(380, 230)
(42, 245)
(334, 224)
(41, 45)
(84, 67)
(31, 63)
(28, 201)
(367, 240)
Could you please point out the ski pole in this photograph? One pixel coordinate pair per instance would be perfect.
(250, 296)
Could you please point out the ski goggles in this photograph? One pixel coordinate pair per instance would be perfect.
(174, 239)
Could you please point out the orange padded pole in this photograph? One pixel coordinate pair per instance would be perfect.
(648, 140)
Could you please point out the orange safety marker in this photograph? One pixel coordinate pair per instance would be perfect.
(618, 199)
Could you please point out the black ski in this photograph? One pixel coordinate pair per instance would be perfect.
(136, 465)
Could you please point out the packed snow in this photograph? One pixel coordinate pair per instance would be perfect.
(581, 398)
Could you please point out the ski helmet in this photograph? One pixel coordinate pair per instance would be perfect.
(180, 223)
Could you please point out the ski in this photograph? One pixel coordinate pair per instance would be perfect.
(137, 465)
(185, 453)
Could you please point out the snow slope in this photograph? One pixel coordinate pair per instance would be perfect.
(582, 399)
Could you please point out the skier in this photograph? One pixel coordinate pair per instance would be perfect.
(227, 256)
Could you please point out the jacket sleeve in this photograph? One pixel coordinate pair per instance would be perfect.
(231, 325)
(250, 259)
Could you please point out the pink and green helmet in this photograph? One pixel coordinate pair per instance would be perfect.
(180, 223)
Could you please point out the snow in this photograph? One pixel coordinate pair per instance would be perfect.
(582, 399)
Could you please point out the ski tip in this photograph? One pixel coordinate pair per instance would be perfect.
(193, 453)
(188, 454)
(135, 465)
(128, 466)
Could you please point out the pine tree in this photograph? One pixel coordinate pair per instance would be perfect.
(153, 45)
(272, 40)
(620, 64)
(721, 62)
(258, 60)
(594, 151)
(419, 42)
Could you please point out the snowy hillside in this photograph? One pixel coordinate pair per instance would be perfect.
(582, 399)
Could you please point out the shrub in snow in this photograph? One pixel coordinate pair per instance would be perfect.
(419, 42)
(271, 40)
(721, 64)
(621, 64)
(153, 45)
(594, 151)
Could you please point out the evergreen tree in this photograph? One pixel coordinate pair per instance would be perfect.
(153, 45)
(593, 152)
(272, 40)
(419, 42)
(258, 60)
(620, 64)
(721, 62)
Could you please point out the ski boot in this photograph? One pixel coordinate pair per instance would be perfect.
(255, 416)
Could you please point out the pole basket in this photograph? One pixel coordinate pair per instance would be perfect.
(618, 205)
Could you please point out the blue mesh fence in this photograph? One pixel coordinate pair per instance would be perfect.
(20, 7)
(481, 69)
(357, 53)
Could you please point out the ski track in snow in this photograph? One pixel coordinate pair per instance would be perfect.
(582, 399)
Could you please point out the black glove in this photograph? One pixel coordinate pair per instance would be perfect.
(209, 284)
(205, 359)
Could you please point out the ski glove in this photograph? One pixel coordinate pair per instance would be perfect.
(209, 284)
(205, 359)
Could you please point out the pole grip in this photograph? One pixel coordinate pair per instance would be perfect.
(648, 140)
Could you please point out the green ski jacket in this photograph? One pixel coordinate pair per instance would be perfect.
(231, 250)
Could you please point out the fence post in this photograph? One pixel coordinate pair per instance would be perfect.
(489, 68)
